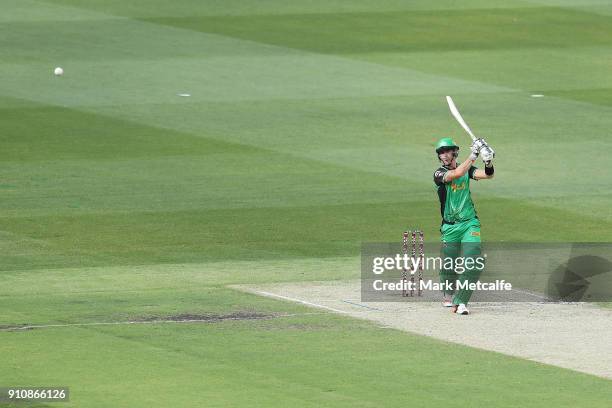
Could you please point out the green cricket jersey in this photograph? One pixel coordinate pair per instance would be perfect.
(455, 201)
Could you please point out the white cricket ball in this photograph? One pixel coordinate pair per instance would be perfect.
(58, 71)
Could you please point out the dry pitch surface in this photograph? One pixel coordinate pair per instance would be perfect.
(575, 336)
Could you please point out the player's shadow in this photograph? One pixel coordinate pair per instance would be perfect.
(571, 282)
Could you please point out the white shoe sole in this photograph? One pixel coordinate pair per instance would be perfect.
(461, 310)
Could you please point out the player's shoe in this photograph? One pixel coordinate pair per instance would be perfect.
(460, 309)
(447, 302)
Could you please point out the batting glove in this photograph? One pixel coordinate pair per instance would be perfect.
(473, 152)
(487, 153)
(479, 143)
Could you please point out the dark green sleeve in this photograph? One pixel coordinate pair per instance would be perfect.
(439, 176)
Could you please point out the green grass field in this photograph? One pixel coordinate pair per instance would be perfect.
(309, 129)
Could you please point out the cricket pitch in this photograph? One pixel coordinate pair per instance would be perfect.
(574, 336)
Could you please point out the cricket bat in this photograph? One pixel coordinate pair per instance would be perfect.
(455, 112)
(458, 117)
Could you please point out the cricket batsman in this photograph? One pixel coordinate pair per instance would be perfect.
(460, 227)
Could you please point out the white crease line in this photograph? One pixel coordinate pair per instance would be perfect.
(360, 305)
(209, 320)
(525, 292)
(301, 301)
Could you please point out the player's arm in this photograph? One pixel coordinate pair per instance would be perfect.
(487, 154)
(486, 173)
(460, 170)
